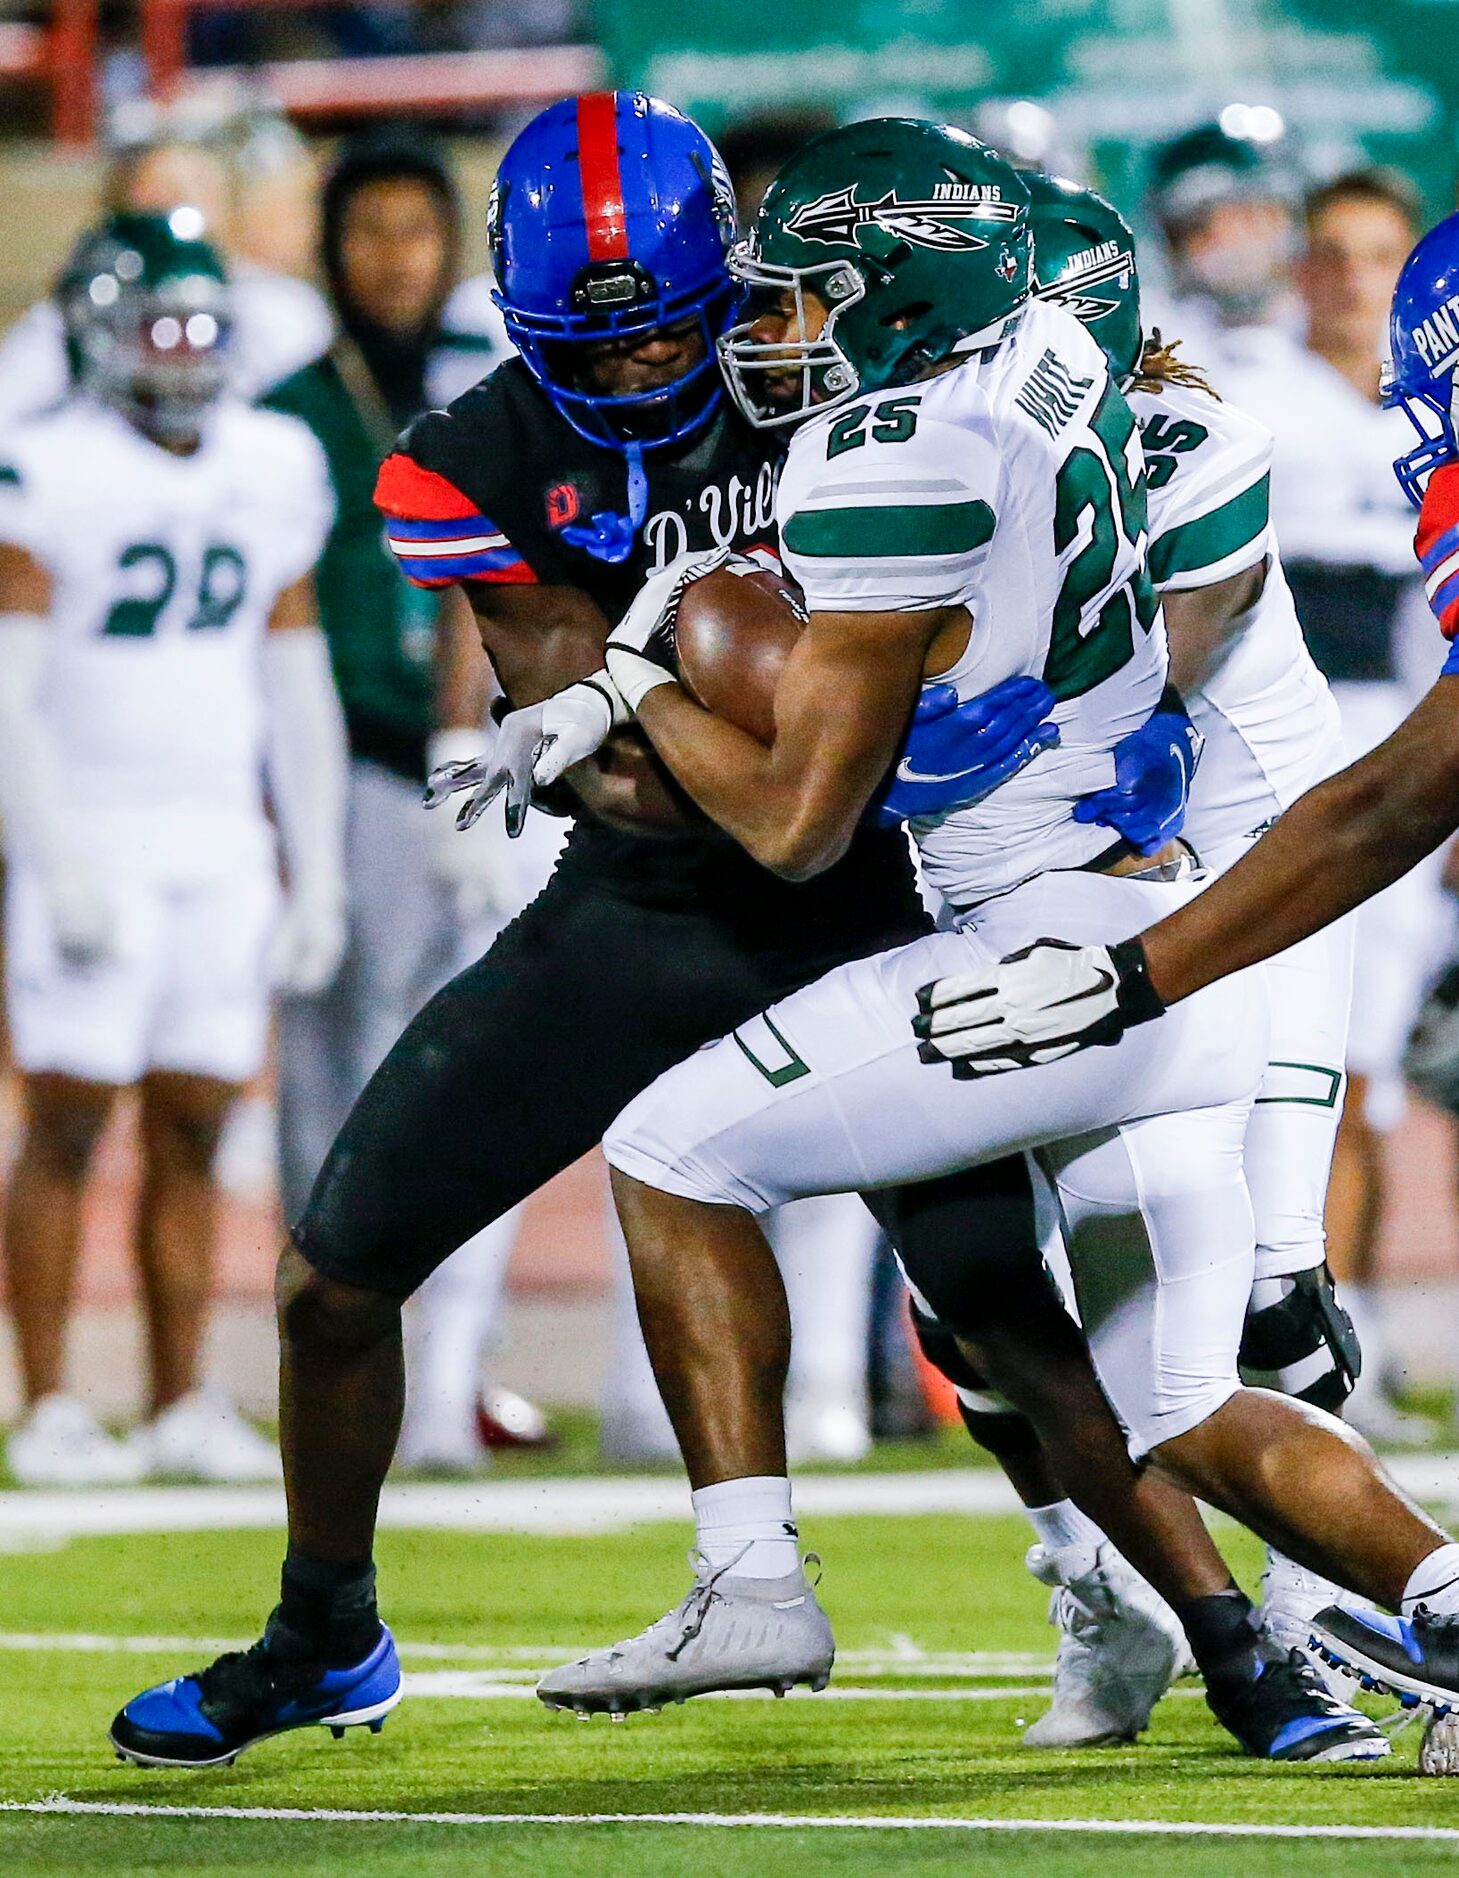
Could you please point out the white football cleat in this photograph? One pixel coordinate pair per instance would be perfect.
(1291, 1596)
(61, 1444)
(1439, 1753)
(728, 1633)
(1120, 1648)
(201, 1436)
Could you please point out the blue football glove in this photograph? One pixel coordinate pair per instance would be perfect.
(1154, 767)
(956, 754)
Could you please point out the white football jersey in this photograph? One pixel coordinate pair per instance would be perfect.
(1334, 495)
(165, 570)
(1011, 486)
(1270, 724)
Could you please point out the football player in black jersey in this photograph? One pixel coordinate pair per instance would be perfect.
(549, 492)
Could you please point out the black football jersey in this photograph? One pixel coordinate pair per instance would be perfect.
(500, 487)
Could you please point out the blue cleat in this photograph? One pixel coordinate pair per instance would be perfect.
(1415, 1658)
(208, 1719)
(1279, 1709)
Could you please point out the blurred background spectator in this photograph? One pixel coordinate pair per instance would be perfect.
(1225, 211)
(1277, 161)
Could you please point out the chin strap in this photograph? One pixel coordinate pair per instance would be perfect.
(611, 537)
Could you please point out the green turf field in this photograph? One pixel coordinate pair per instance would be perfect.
(943, 1652)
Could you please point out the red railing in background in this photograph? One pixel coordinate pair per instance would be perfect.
(61, 55)
(323, 88)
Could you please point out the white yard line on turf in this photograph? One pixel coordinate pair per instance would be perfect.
(586, 1505)
(904, 1661)
(472, 1686)
(797, 1822)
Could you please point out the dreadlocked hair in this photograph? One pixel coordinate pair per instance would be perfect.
(1159, 366)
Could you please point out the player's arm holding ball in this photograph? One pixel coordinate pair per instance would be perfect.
(840, 710)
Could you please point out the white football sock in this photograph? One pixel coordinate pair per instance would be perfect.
(1435, 1583)
(1062, 1524)
(748, 1525)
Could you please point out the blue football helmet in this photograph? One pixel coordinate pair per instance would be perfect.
(611, 217)
(1424, 337)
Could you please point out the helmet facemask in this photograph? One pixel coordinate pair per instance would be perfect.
(756, 368)
(657, 418)
(158, 355)
(1435, 423)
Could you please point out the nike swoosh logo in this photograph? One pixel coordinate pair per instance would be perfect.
(1106, 983)
(905, 773)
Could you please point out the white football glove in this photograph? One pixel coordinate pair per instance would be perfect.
(641, 645)
(309, 941)
(83, 917)
(532, 746)
(469, 864)
(1038, 1004)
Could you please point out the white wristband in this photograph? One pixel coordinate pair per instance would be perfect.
(634, 675)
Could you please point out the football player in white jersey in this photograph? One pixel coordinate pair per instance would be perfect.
(1270, 731)
(157, 639)
(986, 518)
(1346, 534)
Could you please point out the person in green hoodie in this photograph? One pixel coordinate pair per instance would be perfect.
(406, 663)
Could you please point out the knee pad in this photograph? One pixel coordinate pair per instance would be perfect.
(1298, 1339)
(988, 1417)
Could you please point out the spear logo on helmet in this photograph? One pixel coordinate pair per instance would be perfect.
(834, 219)
(1109, 261)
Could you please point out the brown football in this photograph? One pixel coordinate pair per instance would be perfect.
(734, 634)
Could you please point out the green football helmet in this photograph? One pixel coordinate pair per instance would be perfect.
(1201, 168)
(913, 239)
(144, 299)
(1084, 261)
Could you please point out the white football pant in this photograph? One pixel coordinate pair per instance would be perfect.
(825, 1093)
(186, 987)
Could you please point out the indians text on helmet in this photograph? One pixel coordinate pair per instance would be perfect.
(1090, 268)
(936, 223)
(1437, 337)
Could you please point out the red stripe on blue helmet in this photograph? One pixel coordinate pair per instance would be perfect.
(604, 215)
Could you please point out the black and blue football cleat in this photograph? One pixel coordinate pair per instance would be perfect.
(1415, 1658)
(247, 1696)
(1279, 1709)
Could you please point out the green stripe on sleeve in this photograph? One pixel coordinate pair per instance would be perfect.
(879, 534)
(1211, 538)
